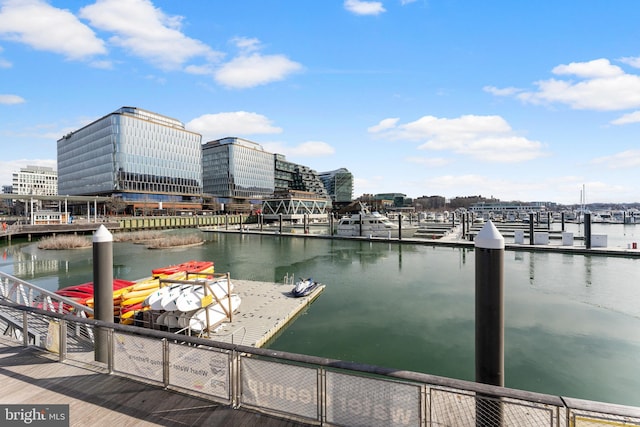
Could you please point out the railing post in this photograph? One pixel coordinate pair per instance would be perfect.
(62, 340)
(110, 355)
(25, 329)
(165, 362)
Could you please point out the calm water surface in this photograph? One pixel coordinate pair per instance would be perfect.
(572, 321)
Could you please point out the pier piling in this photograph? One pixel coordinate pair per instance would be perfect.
(102, 288)
(489, 317)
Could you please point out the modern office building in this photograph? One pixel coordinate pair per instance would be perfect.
(339, 185)
(144, 158)
(306, 179)
(35, 180)
(284, 172)
(235, 169)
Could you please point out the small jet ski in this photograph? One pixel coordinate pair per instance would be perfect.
(304, 287)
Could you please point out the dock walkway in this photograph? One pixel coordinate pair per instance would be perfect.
(30, 375)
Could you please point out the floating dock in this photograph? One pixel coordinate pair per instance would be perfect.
(266, 309)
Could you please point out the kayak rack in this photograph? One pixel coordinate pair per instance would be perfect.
(209, 296)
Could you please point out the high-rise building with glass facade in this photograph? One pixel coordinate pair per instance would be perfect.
(140, 156)
(339, 185)
(235, 168)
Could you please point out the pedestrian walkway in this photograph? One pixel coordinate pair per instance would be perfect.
(30, 375)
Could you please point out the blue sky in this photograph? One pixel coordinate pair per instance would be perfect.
(518, 100)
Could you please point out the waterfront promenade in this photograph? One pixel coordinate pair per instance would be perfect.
(30, 375)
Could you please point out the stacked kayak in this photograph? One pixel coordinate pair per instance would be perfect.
(83, 294)
(130, 301)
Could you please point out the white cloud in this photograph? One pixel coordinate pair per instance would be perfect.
(592, 69)
(488, 138)
(44, 27)
(245, 44)
(5, 64)
(147, 32)
(600, 86)
(360, 7)
(623, 160)
(306, 149)
(11, 99)
(633, 61)
(627, 118)
(255, 70)
(383, 125)
(237, 123)
(433, 162)
(507, 91)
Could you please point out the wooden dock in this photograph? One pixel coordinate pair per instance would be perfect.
(30, 375)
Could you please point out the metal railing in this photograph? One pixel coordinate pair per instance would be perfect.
(307, 388)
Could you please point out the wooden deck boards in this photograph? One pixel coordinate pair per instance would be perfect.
(32, 376)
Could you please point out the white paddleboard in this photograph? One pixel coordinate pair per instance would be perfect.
(154, 300)
(168, 301)
(189, 301)
(198, 321)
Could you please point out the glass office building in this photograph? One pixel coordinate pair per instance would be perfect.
(339, 184)
(134, 154)
(236, 168)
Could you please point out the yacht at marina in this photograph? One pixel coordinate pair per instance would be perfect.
(374, 224)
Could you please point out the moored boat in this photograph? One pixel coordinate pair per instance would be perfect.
(373, 224)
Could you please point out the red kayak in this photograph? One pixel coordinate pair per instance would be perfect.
(87, 288)
(190, 266)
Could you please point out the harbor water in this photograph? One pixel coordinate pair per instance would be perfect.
(572, 322)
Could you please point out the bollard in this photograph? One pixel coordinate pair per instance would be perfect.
(531, 228)
(331, 225)
(587, 230)
(102, 288)
(489, 317)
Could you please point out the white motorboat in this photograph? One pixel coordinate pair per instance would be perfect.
(373, 224)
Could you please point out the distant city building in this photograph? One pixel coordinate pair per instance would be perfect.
(430, 202)
(339, 185)
(235, 168)
(144, 158)
(7, 189)
(399, 200)
(505, 208)
(35, 180)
